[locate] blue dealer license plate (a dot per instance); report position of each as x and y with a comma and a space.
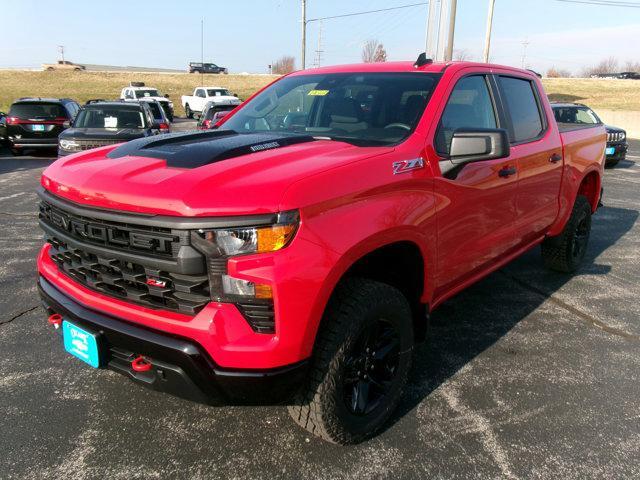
37, 128
81, 344
610, 150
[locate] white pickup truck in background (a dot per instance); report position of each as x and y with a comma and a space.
137, 90
194, 104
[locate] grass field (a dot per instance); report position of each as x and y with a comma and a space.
82, 86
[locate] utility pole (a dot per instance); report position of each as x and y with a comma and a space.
319, 51
452, 27
61, 50
525, 43
202, 50
442, 32
430, 38
304, 34
487, 38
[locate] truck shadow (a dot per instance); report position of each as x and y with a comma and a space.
35, 159
477, 318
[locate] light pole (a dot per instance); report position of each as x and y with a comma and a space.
487, 38
304, 34
452, 27
430, 39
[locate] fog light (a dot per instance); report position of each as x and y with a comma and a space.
245, 288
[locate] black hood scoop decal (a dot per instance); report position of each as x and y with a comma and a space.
193, 150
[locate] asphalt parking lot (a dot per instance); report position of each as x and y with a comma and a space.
528, 374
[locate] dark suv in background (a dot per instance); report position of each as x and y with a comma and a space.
581, 116
37, 122
105, 123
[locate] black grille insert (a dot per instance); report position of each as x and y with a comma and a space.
126, 280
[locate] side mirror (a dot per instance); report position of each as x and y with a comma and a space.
480, 144
474, 145
166, 95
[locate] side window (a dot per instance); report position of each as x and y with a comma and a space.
200, 93
523, 108
469, 106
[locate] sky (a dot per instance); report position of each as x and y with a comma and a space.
248, 35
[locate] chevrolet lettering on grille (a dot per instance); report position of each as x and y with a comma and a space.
95, 232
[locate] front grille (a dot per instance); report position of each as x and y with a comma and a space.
82, 145
132, 262
117, 236
615, 136
126, 280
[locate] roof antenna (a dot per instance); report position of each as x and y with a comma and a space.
422, 60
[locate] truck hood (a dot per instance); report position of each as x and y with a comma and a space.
211, 173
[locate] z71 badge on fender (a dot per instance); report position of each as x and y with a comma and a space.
407, 165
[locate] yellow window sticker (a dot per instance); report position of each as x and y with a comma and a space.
318, 93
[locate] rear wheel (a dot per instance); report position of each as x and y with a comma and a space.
188, 112
565, 252
16, 152
360, 365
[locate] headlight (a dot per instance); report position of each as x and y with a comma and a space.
171, 104
623, 135
239, 241
220, 244
68, 144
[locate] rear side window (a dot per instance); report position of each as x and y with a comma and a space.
29, 110
522, 104
469, 107
155, 109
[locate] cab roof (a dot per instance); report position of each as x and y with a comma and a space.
432, 67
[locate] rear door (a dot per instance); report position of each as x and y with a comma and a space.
536, 144
477, 204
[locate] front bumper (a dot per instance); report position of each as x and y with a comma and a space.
180, 366
33, 142
620, 150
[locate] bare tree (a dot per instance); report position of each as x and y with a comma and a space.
631, 66
369, 50
608, 65
381, 54
461, 55
554, 72
285, 64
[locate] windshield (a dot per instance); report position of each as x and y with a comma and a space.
362, 108
217, 92
37, 110
579, 115
109, 117
150, 92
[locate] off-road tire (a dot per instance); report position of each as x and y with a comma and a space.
187, 111
319, 406
565, 252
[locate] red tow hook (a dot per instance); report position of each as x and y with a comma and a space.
139, 364
55, 320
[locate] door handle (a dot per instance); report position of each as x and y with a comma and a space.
507, 172
555, 158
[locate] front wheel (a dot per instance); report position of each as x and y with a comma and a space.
188, 112
361, 363
565, 252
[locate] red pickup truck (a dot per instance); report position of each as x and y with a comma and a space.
294, 255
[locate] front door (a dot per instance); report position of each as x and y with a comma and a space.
476, 204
